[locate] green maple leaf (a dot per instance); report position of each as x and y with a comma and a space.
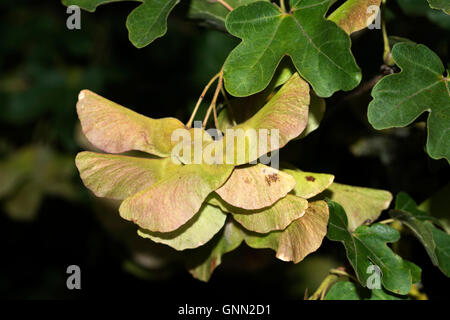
145, 23
435, 241
367, 245
319, 49
400, 98
443, 5
346, 290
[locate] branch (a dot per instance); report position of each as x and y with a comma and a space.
212, 106
202, 96
226, 5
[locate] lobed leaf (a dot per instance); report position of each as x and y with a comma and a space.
443, 5
319, 49
420, 87
115, 129
145, 23
255, 187
346, 290
435, 241
302, 237
149, 21
442, 240
195, 233
367, 245
171, 202
436, 206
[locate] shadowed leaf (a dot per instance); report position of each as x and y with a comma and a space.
443, 5
149, 21
195, 233
115, 129
171, 202
346, 290
145, 23
368, 245
435, 241
255, 187
442, 241
437, 206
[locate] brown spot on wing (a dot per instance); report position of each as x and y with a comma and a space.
213, 264
310, 178
271, 178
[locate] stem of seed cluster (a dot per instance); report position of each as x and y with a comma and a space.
212, 106
332, 277
283, 5
202, 96
226, 5
326, 283
342, 273
228, 104
387, 56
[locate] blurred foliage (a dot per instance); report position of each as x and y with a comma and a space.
29, 174
49, 221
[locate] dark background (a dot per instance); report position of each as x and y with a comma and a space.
43, 66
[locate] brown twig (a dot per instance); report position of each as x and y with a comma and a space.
229, 106
202, 96
226, 5
212, 106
